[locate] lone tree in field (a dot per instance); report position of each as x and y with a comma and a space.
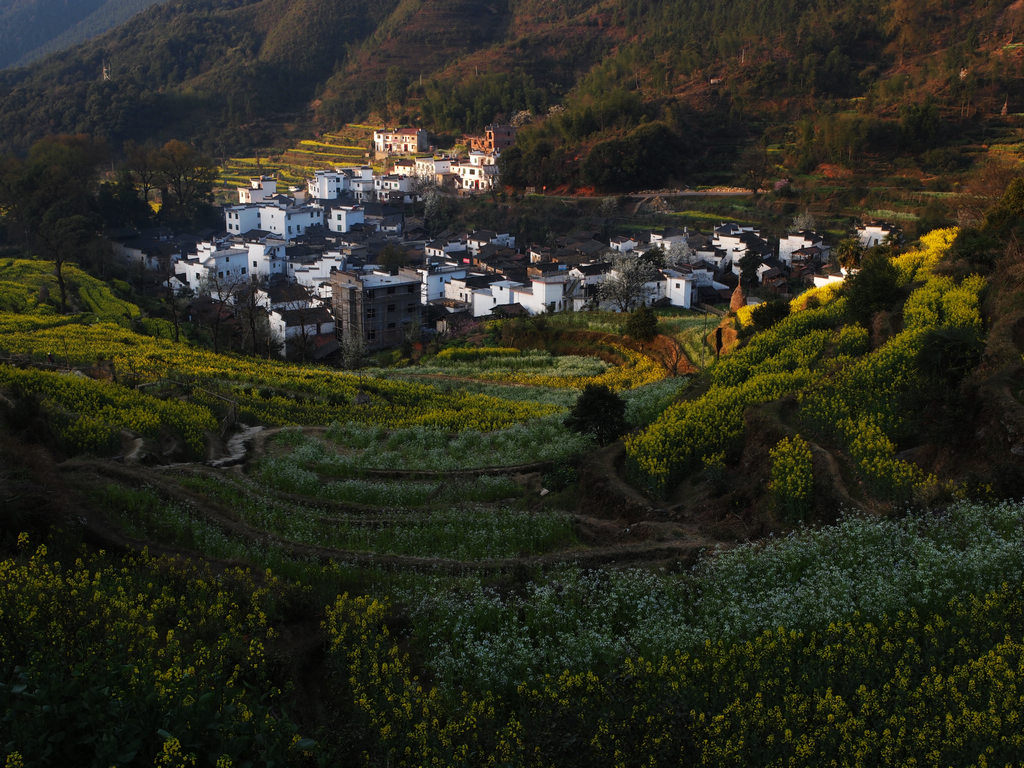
642, 324
599, 412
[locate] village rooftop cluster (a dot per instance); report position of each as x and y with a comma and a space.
340, 263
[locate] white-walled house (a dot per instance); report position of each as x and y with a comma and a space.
267, 259
387, 187
820, 280
214, 268
441, 249
342, 218
360, 182
327, 185
483, 237
278, 217
316, 275
351, 183
736, 242
462, 288
590, 276
434, 277
482, 293
310, 326
622, 243
498, 293
431, 167
544, 294
401, 141
679, 288
800, 241
290, 220
260, 188
477, 174
239, 219
670, 238
874, 233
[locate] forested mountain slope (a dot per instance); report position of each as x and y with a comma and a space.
233, 73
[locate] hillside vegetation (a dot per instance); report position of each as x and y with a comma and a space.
804, 84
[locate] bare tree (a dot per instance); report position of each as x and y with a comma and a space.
143, 163
189, 175
174, 299
219, 294
672, 356
754, 167
256, 336
306, 314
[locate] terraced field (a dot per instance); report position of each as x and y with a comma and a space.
351, 146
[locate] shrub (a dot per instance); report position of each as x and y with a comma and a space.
792, 477
642, 324
600, 412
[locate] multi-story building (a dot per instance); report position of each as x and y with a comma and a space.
478, 174
401, 141
380, 309
343, 217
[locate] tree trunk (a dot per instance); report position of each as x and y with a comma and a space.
58, 270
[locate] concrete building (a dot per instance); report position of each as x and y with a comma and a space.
802, 242
380, 309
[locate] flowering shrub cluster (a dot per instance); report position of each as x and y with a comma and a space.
870, 402
28, 286
89, 414
917, 263
689, 431
792, 476
136, 662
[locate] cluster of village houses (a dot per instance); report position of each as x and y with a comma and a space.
314, 259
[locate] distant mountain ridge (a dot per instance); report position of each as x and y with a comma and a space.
231, 74
32, 29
